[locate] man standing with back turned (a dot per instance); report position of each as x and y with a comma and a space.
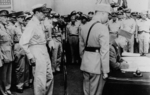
33, 41
94, 50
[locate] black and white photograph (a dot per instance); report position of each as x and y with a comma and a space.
74, 47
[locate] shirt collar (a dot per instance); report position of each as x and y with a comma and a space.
35, 19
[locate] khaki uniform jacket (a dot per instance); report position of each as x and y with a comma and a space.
95, 62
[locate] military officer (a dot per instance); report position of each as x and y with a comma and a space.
143, 33
57, 51
33, 41
6, 48
116, 62
114, 25
128, 24
94, 51
73, 39
90, 14
21, 60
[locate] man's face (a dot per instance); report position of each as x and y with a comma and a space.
105, 17
3, 19
41, 15
90, 16
73, 19
122, 41
143, 16
20, 19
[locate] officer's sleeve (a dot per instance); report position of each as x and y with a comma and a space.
25, 39
113, 59
104, 48
81, 43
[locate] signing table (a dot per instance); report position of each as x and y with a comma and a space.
125, 82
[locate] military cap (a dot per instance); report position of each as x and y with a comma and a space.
4, 13
103, 8
84, 16
133, 14
120, 8
73, 13
28, 17
39, 6
120, 13
127, 10
91, 12
28, 13
56, 15
114, 14
80, 13
20, 14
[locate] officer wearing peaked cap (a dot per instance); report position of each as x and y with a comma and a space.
114, 25
6, 48
33, 41
128, 24
143, 33
94, 51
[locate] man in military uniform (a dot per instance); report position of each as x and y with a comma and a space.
114, 25
143, 34
21, 60
116, 62
94, 51
90, 15
73, 39
128, 24
57, 51
6, 48
33, 41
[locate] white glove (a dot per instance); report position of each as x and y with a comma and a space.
51, 44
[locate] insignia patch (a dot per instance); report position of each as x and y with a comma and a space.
36, 37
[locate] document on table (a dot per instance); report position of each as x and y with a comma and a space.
140, 63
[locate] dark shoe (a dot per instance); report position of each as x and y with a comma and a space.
19, 90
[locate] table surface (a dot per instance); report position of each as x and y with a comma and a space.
127, 75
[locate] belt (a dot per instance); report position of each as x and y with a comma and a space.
139, 32
73, 35
112, 33
92, 49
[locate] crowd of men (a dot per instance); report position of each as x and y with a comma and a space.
32, 44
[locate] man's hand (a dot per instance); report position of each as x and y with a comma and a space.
32, 61
51, 44
124, 65
105, 76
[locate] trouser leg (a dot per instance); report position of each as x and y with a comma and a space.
93, 84
27, 72
2, 85
71, 43
49, 81
141, 45
43, 78
9, 76
146, 42
86, 83
20, 69
131, 44
96, 84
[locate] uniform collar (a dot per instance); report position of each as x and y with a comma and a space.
35, 19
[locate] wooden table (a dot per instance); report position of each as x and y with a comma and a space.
125, 83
